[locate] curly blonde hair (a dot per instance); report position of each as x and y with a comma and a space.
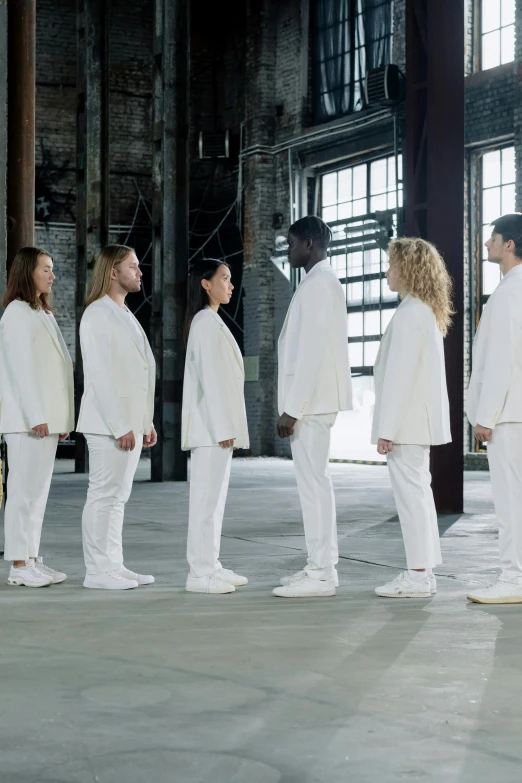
423, 273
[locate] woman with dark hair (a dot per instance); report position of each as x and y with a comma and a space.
213, 422
37, 409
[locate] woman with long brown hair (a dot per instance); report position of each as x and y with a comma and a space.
37, 409
411, 404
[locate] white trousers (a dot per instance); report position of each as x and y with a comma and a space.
505, 467
410, 476
31, 463
111, 473
209, 479
310, 446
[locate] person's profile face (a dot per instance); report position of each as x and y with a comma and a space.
495, 246
298, 251
128, 274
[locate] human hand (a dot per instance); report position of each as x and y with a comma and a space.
41, 430
127, 442
63, 436
483, 434
285, 425
227, 444
151, 439
384, 446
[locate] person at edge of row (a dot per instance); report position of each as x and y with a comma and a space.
411, 405
115, 414
494, 404
213, 422
37, 410
314, 384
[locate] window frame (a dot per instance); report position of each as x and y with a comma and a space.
479, 35
362, 307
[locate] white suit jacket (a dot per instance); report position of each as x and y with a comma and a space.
213, 386
119, 372
495, 389
36, 372
411, 397
314, 370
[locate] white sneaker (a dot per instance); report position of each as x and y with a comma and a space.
306, 587
403, 586
111, 581
500, 592
433, 583
56, 576
208, 584
226, 575
285, 580
141, 579
28, 576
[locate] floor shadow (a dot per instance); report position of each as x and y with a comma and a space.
495, 748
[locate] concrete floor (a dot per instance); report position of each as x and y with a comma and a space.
159, 685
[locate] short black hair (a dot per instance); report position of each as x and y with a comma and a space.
510, 227
312, 227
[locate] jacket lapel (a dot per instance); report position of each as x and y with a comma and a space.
123, 316
230, 337
47, 322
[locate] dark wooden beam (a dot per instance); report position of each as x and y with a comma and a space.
170, 229
435, 193
92, 148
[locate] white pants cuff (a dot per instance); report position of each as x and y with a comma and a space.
505, 466
310, 445
31, 463
209, 479
111, 473
410, 477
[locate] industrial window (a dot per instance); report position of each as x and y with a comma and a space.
350, 37
497, 197
497, 27
359, 204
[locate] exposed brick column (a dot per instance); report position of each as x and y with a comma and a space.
259, 206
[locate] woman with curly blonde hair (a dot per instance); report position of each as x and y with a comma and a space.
411, 404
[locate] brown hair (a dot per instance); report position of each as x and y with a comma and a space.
110, 256
423, 273
20, 281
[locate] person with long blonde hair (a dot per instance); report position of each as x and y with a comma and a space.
115, 415
411, 404
36, 409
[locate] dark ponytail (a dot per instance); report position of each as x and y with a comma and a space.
197, 297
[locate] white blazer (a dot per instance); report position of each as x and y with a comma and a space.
213, 386
314, 370
411, 397
36, 372
119, 372
495, 389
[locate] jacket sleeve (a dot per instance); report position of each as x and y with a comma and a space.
407, 338
211, 361
99, 370
504, 326
20, 358
316, 301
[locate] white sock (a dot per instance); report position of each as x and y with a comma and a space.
417, 576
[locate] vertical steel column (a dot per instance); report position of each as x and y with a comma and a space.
21, 125
3, 146
435, 192
170, 229
92, 170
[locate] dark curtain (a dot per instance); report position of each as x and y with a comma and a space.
333, 62
350, 38
374, 34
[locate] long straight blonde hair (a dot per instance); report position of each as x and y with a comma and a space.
110, 256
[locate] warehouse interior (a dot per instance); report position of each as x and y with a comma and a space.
187, 129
